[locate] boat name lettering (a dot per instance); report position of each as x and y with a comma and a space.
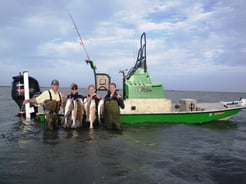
143, 90
218, 113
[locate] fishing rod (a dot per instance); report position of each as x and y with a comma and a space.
88, 60
77, 31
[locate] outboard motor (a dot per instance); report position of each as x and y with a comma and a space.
18, 90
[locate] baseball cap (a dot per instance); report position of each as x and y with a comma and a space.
55, 82
73, 85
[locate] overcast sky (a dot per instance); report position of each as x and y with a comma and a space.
191, 44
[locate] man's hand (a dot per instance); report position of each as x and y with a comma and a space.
63, 95
26, 101
32, 100
118, 96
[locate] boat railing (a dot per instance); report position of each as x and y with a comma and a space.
141, 58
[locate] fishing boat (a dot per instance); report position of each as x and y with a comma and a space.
145, 100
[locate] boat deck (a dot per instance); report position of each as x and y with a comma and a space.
209, 107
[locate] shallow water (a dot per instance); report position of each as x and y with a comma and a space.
145, 153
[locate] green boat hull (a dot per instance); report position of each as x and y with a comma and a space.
180, 117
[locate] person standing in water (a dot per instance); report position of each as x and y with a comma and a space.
52, 100
91, 106
74, 106
112, 104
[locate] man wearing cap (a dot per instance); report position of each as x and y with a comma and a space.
51, 100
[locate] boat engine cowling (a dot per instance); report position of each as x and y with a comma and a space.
243, 102
18, 89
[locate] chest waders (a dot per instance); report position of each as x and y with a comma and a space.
52, 107
111, 115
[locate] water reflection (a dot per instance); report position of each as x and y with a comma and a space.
144, 153
51, 137
70, 133
141, 153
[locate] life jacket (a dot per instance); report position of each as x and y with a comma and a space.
52, 105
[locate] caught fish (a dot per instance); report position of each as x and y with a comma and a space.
68, 110
74, 109
90, 109
92, 113
81, 111
100, 110
74, 114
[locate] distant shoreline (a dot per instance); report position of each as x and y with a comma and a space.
180, 90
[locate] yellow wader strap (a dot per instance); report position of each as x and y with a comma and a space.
51, 96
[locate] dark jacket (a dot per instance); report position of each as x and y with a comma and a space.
120, 101
75, 96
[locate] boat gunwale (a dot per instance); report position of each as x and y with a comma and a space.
186, 112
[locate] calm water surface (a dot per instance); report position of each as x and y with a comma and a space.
209, 153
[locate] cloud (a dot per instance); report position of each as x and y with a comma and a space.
185, 39
57, 48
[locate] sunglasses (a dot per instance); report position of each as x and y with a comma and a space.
74, 88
